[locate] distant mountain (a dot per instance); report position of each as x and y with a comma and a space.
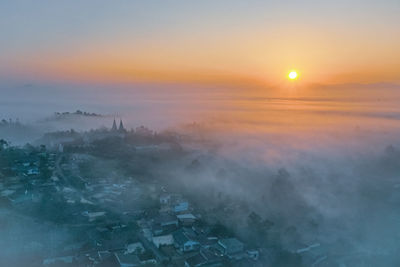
77, 113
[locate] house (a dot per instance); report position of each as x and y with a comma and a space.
33, 171
230, 246
59, 260
135, 248
195, 261
112, 244
108, 262
186, 219
112, 226
181, 206
207, 242
84, 260
201, 229
165, 199
204, 258
185, 241
157, 229
167, 220
253, 254
7, 192
94, 215
147, 258
170, 252
163, 240
147, 234
164, 224
103, 255
127, 260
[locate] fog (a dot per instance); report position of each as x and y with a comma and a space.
322, 163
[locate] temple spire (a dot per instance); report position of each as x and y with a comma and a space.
114, 126
121, 126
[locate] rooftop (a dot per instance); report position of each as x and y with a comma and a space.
230, 242
127, 259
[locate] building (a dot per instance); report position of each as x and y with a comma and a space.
136, 248
207, 242
103, 255
33, 171
121, 127
166, 220
184, 241
186, 219
204, 258
230, 246
59, 260
114, 126
165, 199
127, 260
94, 215
181, 206
163, 240
195, 261
157, 229
253, 254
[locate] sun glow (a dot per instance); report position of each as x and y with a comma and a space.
293, 75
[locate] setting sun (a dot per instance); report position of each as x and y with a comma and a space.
292, 75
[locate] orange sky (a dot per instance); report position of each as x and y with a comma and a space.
344, 43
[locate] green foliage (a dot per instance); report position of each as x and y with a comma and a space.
44, 166
3, 144
287, 259
259, 228
220, 230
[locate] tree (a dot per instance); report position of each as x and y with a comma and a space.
3, 144
220, 230
44, 166
259, 228
254, 220
287, 259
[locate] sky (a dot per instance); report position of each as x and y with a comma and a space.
238, 43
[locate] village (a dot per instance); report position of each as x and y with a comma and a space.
115, 219
111, 230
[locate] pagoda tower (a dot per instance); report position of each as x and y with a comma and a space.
114, 126
121, 126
